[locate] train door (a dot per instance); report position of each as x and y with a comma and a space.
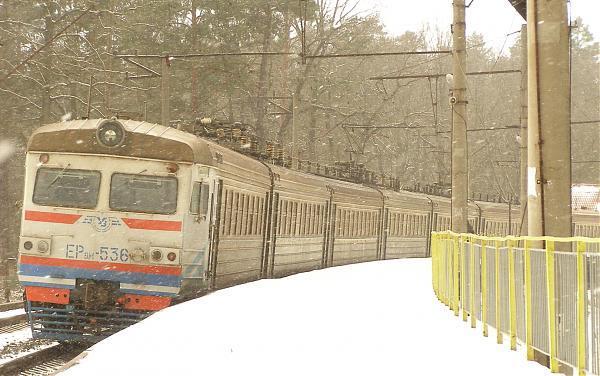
332, 229
325, 229
272, 234
196, 231
384, 233
214, 231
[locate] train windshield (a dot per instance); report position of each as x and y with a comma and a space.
66, 188
143, 193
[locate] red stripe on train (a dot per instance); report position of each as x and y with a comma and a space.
39, 216
47, 295
97, 265
151, 224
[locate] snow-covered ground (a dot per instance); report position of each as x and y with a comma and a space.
378, 318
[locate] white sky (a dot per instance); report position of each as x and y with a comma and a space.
492, 18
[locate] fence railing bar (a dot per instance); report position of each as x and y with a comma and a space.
581, 309
551, 304
512, 296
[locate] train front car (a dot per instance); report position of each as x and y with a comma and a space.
106, 204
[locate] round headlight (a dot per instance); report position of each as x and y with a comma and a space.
171, 256
43, 246
137, 255
156, 255
28, 245
44, 158
110, 133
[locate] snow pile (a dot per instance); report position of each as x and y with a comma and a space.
379, 318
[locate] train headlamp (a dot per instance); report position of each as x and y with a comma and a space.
28, 245
43, 246
137, 255
44, 158
172, 168
171, 256
110, 133
156, 255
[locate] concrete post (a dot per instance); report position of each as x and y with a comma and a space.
549, 134
460, 183
165, 91
523, 145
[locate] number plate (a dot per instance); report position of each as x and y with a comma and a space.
103, 253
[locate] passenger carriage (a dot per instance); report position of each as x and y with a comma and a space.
122, 218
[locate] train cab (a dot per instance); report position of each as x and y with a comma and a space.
115, 219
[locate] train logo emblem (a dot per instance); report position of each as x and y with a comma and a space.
101, 224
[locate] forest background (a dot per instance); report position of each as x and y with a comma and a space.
333, 94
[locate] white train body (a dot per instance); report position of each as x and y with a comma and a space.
122, 218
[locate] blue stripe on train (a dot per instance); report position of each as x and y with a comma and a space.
105, 275
146, 292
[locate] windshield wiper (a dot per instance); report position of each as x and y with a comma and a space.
58, 176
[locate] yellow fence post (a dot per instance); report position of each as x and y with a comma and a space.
581, 308
512, 296
448, 270
443, 267
551, 304
484, 288
472, 282
455, 275
497, 291
463, 281
433, 259
528, 308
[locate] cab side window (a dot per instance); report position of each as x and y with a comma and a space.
199, 200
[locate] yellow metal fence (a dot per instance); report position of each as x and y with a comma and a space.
541, 292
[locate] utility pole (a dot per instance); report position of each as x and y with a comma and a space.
458, 102
523, 145
165, 90
549, 132
549, 146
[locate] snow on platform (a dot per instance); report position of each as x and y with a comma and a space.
378, 318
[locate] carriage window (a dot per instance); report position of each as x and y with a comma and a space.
66, 188
143, 193
199, 201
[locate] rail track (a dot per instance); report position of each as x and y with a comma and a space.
42, 362
11, 306
12, 323
42, 357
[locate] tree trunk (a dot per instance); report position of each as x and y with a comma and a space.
263, 86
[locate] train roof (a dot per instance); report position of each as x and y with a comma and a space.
142, 140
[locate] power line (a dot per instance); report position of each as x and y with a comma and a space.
384, 126
487, 129
586, 122
211, 54
434, 75
378, 54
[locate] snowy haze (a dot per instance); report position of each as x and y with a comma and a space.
492, 18
378, 318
